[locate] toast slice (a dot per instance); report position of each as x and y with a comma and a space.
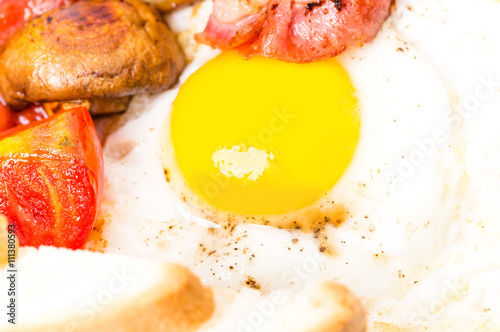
65, 290
324, 306
61, 290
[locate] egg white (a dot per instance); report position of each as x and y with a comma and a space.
420, 241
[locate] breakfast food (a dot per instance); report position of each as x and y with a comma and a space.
106, 293
15, 13
266, 163
355, 193
51, 179
134, 294
325, 306
91, 49
299, 31
168, 5
412, 226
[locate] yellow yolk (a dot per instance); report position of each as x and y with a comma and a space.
261, 136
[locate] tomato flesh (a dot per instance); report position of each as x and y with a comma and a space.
51, 179
29, 115
7, 117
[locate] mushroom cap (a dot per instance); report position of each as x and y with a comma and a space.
165, 6
90, 49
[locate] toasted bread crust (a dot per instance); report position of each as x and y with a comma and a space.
388, 327
347, 311
181, 303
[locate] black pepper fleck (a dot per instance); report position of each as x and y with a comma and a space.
338, 4
311, 5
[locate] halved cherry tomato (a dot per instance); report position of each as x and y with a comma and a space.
51, 179
13, 13
7, 117
33, 113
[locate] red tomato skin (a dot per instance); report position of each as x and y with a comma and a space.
7, 117
51, 179
33, 113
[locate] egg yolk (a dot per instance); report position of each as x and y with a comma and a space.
262, 136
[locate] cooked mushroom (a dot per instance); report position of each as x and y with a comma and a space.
95, 50
165, 6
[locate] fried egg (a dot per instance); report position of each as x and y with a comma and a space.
377, 169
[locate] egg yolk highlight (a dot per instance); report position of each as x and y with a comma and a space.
262, 136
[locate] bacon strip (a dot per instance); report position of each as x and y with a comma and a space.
297, 31
229, 35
